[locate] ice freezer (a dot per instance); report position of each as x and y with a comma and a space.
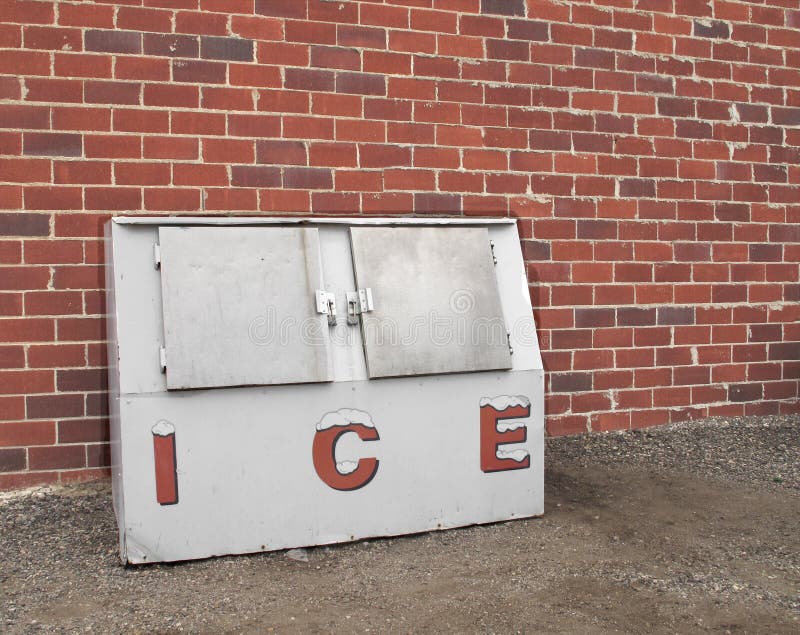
288, 382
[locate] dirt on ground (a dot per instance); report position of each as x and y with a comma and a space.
687, 528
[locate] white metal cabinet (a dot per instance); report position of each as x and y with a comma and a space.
277, 424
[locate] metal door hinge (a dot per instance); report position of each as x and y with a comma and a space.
508, 339
157, 255
358, 302
326, 305
162, 359
491, 246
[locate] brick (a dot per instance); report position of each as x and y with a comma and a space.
201, 23
253, 126
310, 79
84, 15
281, 9
25, 170
311, 33
13, 460
121, 199
745, 392
403, 41
142, 69
83, 431
281, 152
382, 156
112, 147
54, 302
437, 203
27, 433
226, 48
57, 457
25, 62
222, 98
592, 318
52, 198
100, 92
503, 7
630, 316
142, 173
230, 199
255, 27
335, 57
507, 50
98, 455
711, 29
135, 120
334, 203
199, 72
360, 36
784, 351
54, 406
765, 253
25, 381
144, 19
255, 176
308, 178
52, 90
52, 144
360, 84
389, 109
171, 45
570, 382
532, 30
197, 123
675, 315
101, 41
228, 151
172, 199
85, 379
786, 116
637, 188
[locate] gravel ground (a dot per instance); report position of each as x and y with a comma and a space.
689, 527
757, 451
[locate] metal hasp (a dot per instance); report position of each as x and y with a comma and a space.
358, 302
326, 305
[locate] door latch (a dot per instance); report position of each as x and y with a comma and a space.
358, 302
326, 305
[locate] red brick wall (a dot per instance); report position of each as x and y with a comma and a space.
650, 149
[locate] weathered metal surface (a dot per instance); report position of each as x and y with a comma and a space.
251, 471
436, 304
217, 281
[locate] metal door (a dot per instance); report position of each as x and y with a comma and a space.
239, 306
436, 306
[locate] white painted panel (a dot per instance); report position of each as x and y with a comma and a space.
239, 306
246, 479
515, 297
437, 307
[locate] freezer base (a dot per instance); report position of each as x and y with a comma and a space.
243, 470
